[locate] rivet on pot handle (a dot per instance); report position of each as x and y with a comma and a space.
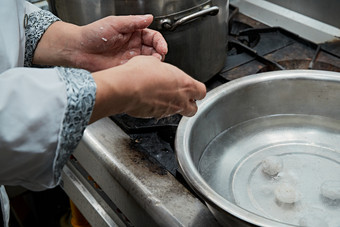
168, 25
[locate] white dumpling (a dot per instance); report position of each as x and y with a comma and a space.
272, 165
331, 190
286, 193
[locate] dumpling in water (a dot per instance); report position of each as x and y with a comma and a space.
286, 193
331, 190
272, 165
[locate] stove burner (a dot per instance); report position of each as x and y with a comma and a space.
152, 137
332, 47
236, 31
301, 64
132, 125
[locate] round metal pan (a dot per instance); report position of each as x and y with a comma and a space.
287, 120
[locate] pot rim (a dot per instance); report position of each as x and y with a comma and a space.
182, 138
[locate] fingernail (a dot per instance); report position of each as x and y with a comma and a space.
147, 15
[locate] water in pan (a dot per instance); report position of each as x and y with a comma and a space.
283, 167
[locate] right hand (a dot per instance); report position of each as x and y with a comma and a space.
146, 87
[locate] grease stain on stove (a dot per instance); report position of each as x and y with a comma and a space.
139, 157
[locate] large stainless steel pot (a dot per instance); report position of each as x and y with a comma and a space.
196, 30
296, 111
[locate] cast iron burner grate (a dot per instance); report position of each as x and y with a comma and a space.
302, 64
277, 49
236, 31
155, 138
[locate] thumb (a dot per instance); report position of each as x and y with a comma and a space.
127, 24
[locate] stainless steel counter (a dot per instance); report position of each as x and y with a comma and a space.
326, 11
277, 15
124, 183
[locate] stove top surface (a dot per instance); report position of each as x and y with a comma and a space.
132, 164
252, 48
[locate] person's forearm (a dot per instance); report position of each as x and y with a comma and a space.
58, 45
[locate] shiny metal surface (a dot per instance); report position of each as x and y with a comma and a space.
267, 105
267, 12
85, 11
196, 31
306, 147
325, 11
167, 25
142, 192
91, 205
199, 48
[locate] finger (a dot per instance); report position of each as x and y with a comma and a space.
128, 24
196, 90
146, 50
155, 39
201, 91
182, 106
158, 56
190, 110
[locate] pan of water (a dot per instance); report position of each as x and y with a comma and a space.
264, 150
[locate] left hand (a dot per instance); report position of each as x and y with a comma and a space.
100, 45
114, 40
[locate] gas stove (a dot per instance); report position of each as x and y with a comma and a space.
124, 172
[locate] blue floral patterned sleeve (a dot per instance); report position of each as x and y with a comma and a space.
81, 92
37, 24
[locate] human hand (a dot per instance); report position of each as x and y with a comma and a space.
114, 40
146, 87
102, 44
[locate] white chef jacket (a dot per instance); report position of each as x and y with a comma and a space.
43, 111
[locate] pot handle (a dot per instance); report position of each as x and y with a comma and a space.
168, 25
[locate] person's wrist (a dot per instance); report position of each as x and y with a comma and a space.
70, 35
58, 46
114, 92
